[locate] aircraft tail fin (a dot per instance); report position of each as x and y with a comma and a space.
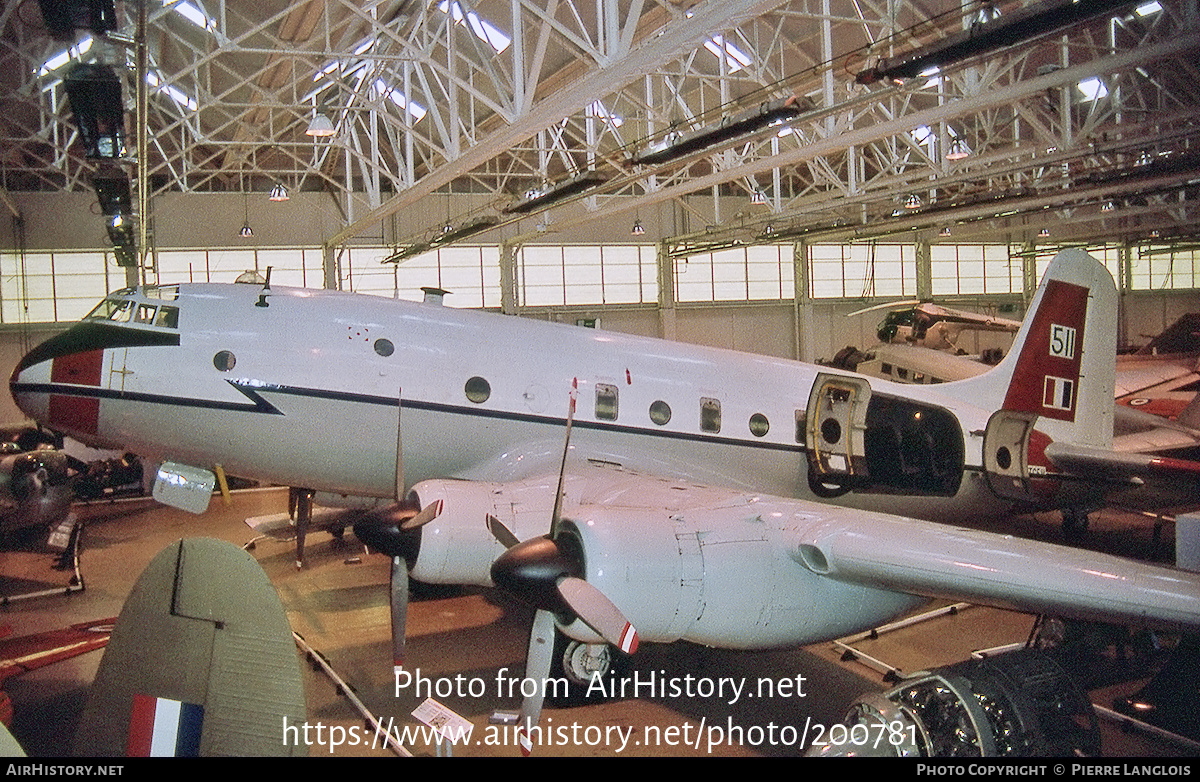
1062, 365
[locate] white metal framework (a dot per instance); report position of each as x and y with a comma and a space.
1089, 130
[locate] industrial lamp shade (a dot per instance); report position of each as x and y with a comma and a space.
278, 193
320, 126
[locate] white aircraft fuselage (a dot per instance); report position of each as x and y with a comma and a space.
689, 469
305, 391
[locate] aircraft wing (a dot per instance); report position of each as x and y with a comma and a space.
739, 569
1001, 571
30, 652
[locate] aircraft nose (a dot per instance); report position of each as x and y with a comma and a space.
57, 382
27, 378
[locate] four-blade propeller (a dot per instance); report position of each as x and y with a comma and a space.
547, 572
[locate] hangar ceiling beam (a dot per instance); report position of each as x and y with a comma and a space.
678, 37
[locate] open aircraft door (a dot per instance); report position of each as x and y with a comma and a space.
1006, 454
835, 432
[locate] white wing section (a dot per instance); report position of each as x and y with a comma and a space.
1000, 570
736, 569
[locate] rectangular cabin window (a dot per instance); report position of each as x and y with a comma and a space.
145, 314
710, 415
606, 402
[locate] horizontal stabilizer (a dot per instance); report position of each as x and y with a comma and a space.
1111, 465
1190, 415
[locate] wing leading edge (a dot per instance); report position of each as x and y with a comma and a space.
960, 564
676, 559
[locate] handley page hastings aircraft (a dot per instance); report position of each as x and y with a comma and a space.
683, 503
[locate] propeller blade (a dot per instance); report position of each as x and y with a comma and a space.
556, 517
399, 604
537, 669
891, 305
599, 613
500, 532
398, 487
423, 517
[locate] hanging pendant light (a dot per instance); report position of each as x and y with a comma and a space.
320, 126
246, 231
278, 193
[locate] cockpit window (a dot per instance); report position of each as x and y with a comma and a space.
121, 311
112, 310
168, 317
125, 311
163, 292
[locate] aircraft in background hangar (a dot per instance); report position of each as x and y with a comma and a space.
691, 473
1157, 405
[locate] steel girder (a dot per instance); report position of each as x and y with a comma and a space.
506, 96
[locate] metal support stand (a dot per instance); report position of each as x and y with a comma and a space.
890, 672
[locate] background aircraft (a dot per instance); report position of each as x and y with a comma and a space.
1156, 392
37, 489
30, 652
929, 325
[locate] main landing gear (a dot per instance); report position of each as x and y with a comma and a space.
591, 672
1074, 522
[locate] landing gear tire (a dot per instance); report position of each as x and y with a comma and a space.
1074, 522
580, 664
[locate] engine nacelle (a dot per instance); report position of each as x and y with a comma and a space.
721, 577
457, 547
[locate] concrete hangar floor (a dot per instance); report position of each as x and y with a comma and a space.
464, 638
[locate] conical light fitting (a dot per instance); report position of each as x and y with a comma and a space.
320, 126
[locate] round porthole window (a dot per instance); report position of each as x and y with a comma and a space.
759, 424
477, 390
660, 412
831, 431
224, 361
384, 347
